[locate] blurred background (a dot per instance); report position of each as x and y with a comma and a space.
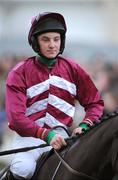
92, 41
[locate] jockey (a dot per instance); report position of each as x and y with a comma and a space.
41, 93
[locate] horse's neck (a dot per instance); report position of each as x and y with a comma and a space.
91, 147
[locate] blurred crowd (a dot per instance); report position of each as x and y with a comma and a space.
105, 76
103, 72
6, 63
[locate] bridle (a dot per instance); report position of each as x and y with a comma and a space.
70, 169
62, 161
65, 164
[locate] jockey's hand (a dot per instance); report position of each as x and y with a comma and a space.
57, 142
82, 127
76, 131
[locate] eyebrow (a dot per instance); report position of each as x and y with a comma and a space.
44, 36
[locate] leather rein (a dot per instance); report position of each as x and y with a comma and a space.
68, 167
73, 171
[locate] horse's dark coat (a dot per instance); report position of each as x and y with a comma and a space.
95, 153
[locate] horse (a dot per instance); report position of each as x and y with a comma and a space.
92, 155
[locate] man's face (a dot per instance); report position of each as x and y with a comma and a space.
49, 44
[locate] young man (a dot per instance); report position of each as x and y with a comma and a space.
40, 94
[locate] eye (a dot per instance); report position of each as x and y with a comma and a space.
57, 39
45, 39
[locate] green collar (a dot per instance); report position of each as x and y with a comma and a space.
46, 61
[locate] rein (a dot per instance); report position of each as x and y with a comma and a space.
62, 161
18, 150
2, 153
60, 158
12, 151
69, 140
73, 171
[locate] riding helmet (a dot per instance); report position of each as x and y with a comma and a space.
47, 22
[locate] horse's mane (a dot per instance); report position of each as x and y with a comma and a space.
102, 120
105, 118
83, 147
109, 115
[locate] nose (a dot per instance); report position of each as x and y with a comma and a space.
51, 44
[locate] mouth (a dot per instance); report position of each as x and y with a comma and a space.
52, 52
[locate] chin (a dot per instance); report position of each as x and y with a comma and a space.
51, 57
